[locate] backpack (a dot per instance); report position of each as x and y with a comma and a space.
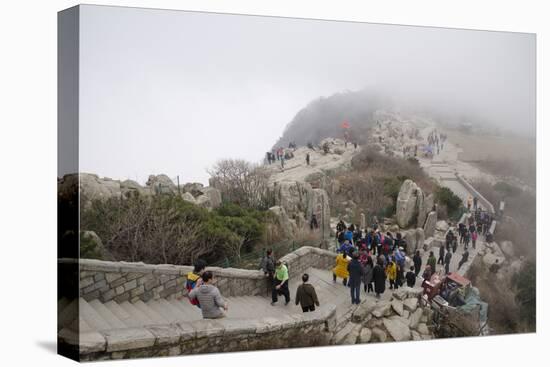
191, 283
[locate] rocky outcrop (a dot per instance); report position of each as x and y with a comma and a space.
398, 319
300, 201
283, 222
507, 248
214, 196
429, 226
161, 184
92, 188
410, 201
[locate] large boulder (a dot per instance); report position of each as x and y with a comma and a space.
415, 317
398, 330
284, 224
379, 335
214, 196
408, 200
363, 310
92, 188
365, 335
188, 197
507, 248
130, 187
321, 208
410, 304
429, 226
194, 188
161, 184
299, 198
442, 226
397, 306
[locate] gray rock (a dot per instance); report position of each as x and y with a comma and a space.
490, 259
410, 304
379, 335
407, 203
188, 197
507, 248
383, 309
363, 310
365, 335
442, 226
415, 335
397, 306
415, 318
429, 226
400, 294
214, 195
203, 201
423, 329
398, 330
161, 184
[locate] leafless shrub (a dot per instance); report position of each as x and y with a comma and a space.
242, 183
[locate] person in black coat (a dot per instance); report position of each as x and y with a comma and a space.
417, 260
355, 270
411, 277
379, 277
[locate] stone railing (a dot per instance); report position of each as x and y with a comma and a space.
211, 336
484, 202
124, 281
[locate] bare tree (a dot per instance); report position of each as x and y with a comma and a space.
243, 183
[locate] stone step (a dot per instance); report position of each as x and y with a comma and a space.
151, 313
163, 310
122, 314
140, 317
92, 318
107, 315
179, 316
68, 314
190, 311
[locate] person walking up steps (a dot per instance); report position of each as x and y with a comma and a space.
341, 268
355, 271
280, 283
306, 295
307, 159
209, 298
464, 259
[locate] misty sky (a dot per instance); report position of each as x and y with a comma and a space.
172, 92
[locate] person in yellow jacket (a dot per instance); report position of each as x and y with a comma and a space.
391, 273
341, 268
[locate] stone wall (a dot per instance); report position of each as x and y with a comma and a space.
207, 336
124, 281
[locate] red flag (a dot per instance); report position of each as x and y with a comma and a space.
345, 125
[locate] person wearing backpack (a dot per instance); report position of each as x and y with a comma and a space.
194, 279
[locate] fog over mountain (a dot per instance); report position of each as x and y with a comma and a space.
173, 91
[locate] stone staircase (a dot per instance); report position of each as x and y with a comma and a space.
96, 316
